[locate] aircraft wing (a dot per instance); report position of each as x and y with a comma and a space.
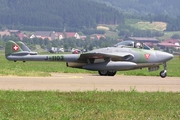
119, 56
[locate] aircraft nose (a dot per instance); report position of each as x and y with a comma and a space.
163, 56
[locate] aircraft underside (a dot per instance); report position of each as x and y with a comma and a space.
110, 68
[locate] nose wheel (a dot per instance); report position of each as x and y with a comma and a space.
163, 73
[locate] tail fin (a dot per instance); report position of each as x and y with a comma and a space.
18, 48
12, 47
23, 46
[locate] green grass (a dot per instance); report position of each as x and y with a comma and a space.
159, 26
167, 35
143, 25
45, 68
146, 25
35, 68
111, 34
173, 70
89, 105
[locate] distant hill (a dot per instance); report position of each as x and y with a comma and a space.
159, 26
56, 15
79, 15
145, 7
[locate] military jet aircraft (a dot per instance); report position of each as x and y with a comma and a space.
126, 55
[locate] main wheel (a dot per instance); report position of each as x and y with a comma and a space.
103, 73
111, 73
163, 74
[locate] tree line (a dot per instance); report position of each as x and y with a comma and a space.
67, 43
149, 10
58, 15
84, 15
128, 31
144, 7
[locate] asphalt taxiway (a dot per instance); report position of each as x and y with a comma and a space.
86, 82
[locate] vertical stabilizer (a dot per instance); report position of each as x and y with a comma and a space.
12, 47
23, 46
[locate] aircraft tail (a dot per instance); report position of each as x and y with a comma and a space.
12, 47
18, 48
25, 48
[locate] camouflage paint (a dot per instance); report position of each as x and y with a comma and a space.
142, 55
115, 58
12, 47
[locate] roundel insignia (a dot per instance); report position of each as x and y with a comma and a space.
15, 47
147, 56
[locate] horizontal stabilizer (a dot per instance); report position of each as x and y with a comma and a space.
22, 53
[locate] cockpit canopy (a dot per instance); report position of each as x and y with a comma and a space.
132, 44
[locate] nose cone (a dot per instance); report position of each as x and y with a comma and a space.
163, 56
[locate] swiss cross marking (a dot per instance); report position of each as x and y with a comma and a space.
15, 47
147, 56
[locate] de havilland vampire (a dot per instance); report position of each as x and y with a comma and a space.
126, 55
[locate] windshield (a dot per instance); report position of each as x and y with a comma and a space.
125, 44
133, 44
145, 47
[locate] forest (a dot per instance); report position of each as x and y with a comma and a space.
151, 10
144, 7
72, 15
83, 15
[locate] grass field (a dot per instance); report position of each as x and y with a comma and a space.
167, 35
45, 68
89, 105
159, 26
146, 25
142, 25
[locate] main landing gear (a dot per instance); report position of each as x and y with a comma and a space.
163, 73
107, 73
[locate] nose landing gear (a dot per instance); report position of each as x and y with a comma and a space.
163, 73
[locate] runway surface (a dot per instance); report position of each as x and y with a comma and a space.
86, 82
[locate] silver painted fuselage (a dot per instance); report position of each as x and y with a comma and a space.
136, 58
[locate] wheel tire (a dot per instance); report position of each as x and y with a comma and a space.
103, 73
111, 73
162, 74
